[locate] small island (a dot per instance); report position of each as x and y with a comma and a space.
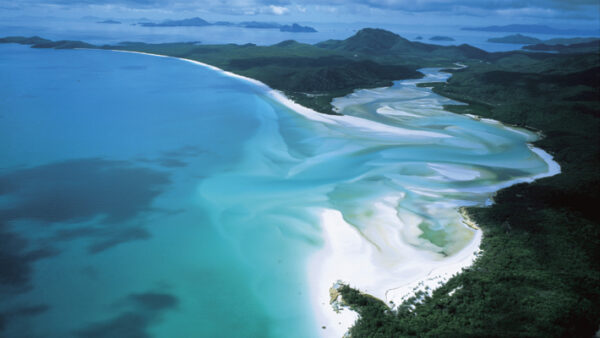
533, 29
528, 40
259, 25
296, 28
585, 47
191, 22
517, 39
199, 22
441, 38
110, 22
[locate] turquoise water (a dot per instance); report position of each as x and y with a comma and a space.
146, 196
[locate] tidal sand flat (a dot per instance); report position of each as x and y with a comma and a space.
150, 196
401, 231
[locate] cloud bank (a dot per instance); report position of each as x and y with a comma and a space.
315, 9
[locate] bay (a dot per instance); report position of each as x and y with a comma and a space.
151, 196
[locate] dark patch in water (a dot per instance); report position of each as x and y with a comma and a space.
103, 238
171, 163
70, 234
78, 190
71, 191
16, 261
119, 237
140, 311
129, 324
153, 301
175, 158
23, 311
28, 311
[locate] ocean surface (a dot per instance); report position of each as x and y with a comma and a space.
148, 196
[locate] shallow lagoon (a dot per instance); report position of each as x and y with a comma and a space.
144, 195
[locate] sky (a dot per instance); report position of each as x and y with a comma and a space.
565, 13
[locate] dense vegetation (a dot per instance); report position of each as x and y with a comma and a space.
583, 47
528, 40
539, 275
540, 271
313, 75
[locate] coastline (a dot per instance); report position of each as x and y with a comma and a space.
281, 98
340, 238
347, 258
345, 247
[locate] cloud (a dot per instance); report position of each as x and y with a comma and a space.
278, 10
336, 10
279, 7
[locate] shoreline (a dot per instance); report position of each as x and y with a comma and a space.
280, 97
346, 258
341, 240
323, 262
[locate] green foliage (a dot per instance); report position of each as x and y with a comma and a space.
63, 44
310, 75
386, 47
582, 47
24, 40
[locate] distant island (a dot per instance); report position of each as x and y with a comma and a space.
575, 48
441, 38
195, 22
516, 39
256, 24
528, 40
534, 29
199, 22
113, 22
419, 38
296, 28
559, 45
568, 41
